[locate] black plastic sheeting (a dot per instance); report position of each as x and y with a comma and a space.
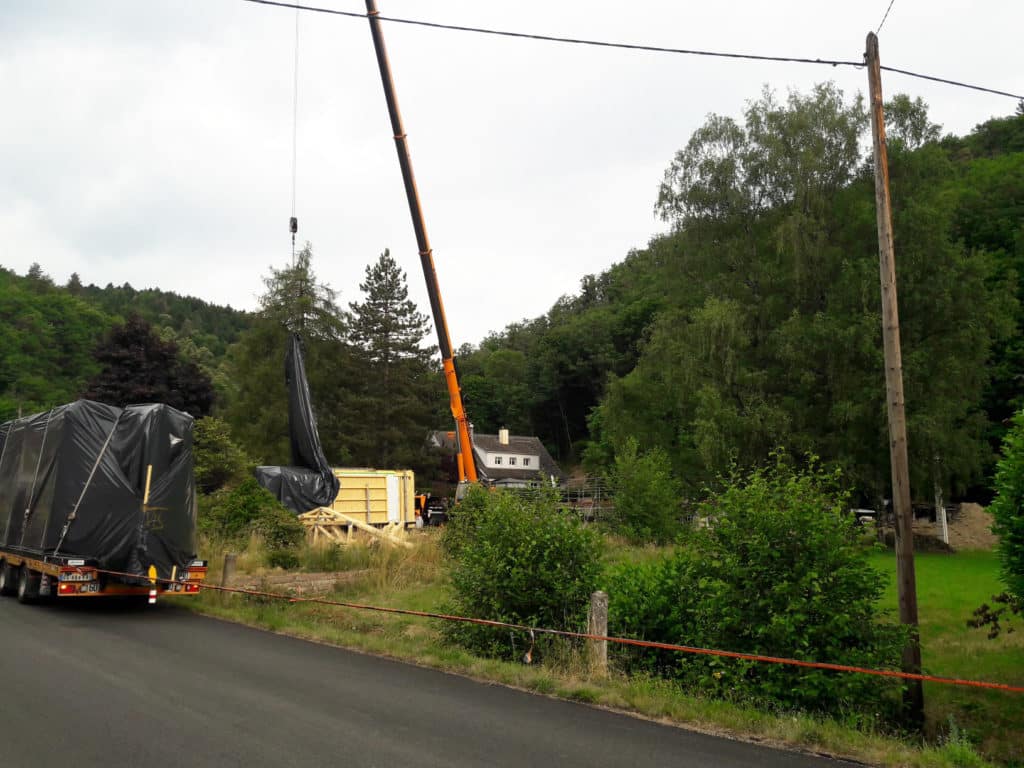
73, 483
310, 482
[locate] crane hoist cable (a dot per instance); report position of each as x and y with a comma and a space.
293, 222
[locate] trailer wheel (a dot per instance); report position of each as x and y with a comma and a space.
28, 586
8, 579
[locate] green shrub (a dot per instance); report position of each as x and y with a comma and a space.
647, 496
232, 515
652, 601
464, 522
518, 559
219, 461
283, 558
780, 571
1008, 507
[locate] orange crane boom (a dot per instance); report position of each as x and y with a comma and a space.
467, 466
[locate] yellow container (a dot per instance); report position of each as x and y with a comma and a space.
377, 496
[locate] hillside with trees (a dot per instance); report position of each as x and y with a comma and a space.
47, 337
56, 340
754, 324
376, 385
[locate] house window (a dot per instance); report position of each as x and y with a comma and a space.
526, 461
511, 461
497, 460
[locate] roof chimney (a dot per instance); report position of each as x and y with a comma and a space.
503, 435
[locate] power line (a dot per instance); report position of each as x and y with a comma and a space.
957, 83
554, 39
627, 46
886, 16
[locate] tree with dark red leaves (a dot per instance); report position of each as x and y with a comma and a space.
139, 367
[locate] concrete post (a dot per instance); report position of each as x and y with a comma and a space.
597, 624
229, 569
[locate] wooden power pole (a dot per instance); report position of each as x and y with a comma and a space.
905, 578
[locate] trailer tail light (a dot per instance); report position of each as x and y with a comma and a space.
196, 572
78, 588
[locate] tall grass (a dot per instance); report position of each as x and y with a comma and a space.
250, 555
963, 723
949, 588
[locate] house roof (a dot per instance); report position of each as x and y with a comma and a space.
518, 444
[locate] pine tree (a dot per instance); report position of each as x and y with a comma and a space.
38, 281
74, 285
295, 301
387, 326
401, 384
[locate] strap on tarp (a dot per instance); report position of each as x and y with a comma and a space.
88, 482
35, 479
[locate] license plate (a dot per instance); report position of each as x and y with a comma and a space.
90, 587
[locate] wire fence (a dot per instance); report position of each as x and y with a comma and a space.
622, 641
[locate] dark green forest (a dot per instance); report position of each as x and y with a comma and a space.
377, 389
52, 335
754, 324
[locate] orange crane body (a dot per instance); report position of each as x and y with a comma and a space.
466, 463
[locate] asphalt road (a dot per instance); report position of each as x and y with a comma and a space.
88, 686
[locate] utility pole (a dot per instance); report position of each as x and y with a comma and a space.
905, 579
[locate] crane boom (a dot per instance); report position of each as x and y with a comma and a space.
467, 466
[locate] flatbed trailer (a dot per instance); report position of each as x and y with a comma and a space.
32, 577
97, 500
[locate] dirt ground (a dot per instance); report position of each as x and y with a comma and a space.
970, 527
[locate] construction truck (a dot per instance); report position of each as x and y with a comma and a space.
97, 500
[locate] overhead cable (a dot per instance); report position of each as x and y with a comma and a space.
627, 46
295, 110
886, 16
293, 222
957, 83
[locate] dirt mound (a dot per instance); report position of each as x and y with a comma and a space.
970, 527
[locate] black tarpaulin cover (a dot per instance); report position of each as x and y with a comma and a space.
73, 482
310, 482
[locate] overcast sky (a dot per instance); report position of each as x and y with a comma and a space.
150, 141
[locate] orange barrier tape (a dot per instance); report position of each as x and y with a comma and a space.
618, 640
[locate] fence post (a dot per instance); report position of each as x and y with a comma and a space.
597, 624
229, 569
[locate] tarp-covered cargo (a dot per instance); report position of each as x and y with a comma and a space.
74, 481
310, 482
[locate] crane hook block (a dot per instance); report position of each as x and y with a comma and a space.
293, 225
